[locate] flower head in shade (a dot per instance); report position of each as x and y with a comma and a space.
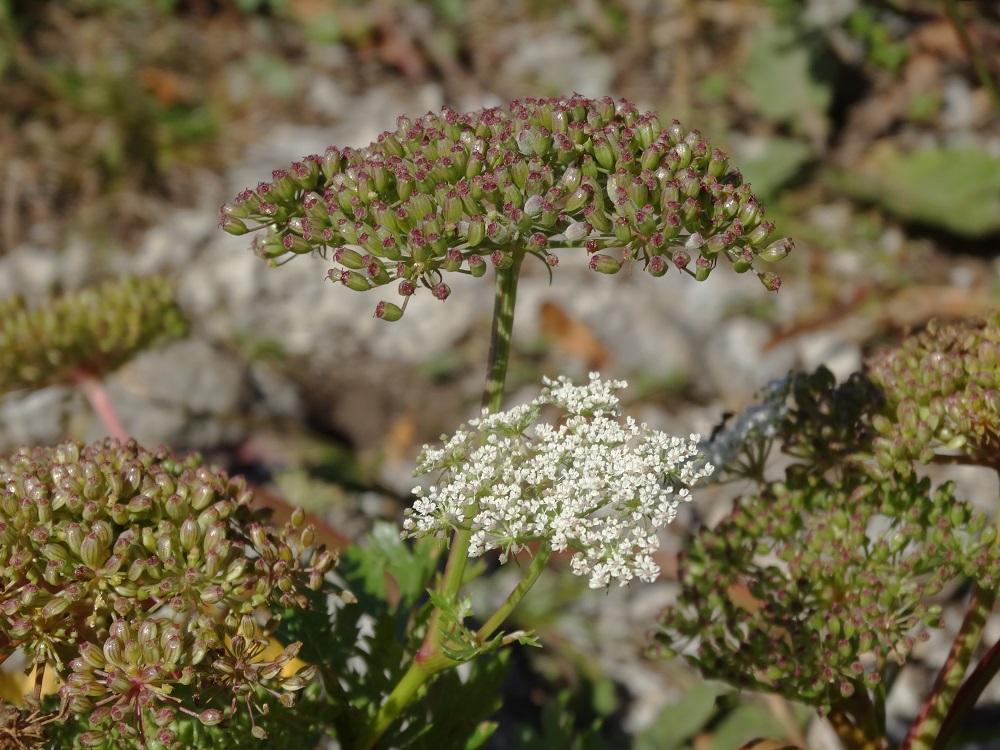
589, 482
942, 396
449, 192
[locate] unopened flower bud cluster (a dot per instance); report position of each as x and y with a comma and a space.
453, 192
590, 482
942, 393
92, 331
151, 569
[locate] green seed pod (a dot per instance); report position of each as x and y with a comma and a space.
605, 264
388, 311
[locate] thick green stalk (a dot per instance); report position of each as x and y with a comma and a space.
924, 733
429, 658
855, 720
949, 700
513, 599
503, 328
968, 694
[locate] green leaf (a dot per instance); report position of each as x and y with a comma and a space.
957, 189
680, 721
781, 161
457, 708
746, 722
789, 74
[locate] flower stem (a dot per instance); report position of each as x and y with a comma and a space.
855, 722
429, 658
925, 731
503, 327
96, 394
515, 596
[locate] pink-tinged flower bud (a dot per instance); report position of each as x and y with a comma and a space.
702, 269
92, 655
670, 194
597, 218
376, 272
190, 533
441, 291
353, 280
235, 210
283, 185
777, 250
92, 551
418, 206
658, 266
743, 262
55, 552
268, 248
213, 594
93, 738
233, 226
771, 281
537, 241
211, 716
578, 199
476, 231
718, 163
452, 207
406, 287
603, 152
301, 226
331, 162
648, 129
638, 192
501, 260
296, 245
760, 234
519, 173
74, 537
21, 627
305, 173
570, 180
477, 266
623, 229
453, 260
750, 213
388, 311
683, 155
605, 264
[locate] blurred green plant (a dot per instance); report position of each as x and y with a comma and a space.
82, 336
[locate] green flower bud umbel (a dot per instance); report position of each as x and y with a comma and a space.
442, 192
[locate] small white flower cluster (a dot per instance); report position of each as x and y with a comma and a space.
757, 423
588, 482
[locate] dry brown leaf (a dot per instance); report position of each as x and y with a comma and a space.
572, 336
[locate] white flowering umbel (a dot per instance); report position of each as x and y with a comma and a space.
587, 482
